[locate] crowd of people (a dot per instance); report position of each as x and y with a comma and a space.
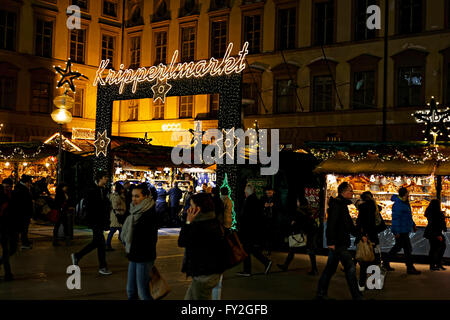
136, 212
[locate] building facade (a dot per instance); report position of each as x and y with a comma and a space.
315, 71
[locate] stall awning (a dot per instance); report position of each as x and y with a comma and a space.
376, 166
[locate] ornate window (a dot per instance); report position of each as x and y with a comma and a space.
186, 106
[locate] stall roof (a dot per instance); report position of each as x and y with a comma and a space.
376, 166
143, 155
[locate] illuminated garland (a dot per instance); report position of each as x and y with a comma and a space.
20, 152
399, 155
162, 73
233, 213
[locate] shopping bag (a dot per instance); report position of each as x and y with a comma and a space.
234, 251
297, 240
364, 251
159, 288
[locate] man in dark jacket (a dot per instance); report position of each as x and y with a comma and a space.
8, 227
339, 228
251, 231
175, 195
22, 201
161, 205
98, 213
402, 225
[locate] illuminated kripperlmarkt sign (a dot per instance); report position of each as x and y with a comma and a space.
162, 73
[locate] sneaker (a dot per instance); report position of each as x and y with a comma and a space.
105, 271
413, 271
244, 274
269, 265
282, 267
74, 259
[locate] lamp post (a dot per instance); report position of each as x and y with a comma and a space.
61, 116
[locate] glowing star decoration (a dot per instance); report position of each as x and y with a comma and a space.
436, 121
67, 75
160, 89
197, 134
213, 67
101, 144
228, 142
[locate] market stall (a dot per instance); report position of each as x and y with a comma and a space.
383, 174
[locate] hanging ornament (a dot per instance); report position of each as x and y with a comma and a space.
67, 75
435, 120
101, 144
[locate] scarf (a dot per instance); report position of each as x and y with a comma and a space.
136, 212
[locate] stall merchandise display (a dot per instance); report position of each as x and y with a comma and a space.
421, 189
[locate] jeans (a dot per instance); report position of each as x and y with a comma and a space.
257, 252
112, 230
437, 249
402, 242
98, 242
9, 245
138, 284
201, 287
291, 254
334, 257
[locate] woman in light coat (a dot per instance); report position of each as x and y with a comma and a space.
118, 211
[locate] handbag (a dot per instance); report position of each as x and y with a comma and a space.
380, 225
159, 288
364, 251
297, 240
234, 251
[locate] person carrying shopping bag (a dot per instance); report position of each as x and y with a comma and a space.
202, 238
140, 235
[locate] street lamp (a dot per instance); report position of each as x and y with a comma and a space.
61, 116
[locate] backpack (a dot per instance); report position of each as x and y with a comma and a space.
81, 212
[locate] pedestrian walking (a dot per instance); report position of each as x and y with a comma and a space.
161, 205
140, 235
251, 231
368, 210
175, 195
271, 212
22, 201
402, 225
63, 205
339, 227
118, 211
186, 203
98, 213
203, 241
8, 227
227, 208
434, 233
304, 221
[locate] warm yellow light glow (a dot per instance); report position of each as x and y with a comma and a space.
25, 164
47, 164
61, 116
64, 102
7, 164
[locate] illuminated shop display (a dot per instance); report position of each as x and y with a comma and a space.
422, 189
